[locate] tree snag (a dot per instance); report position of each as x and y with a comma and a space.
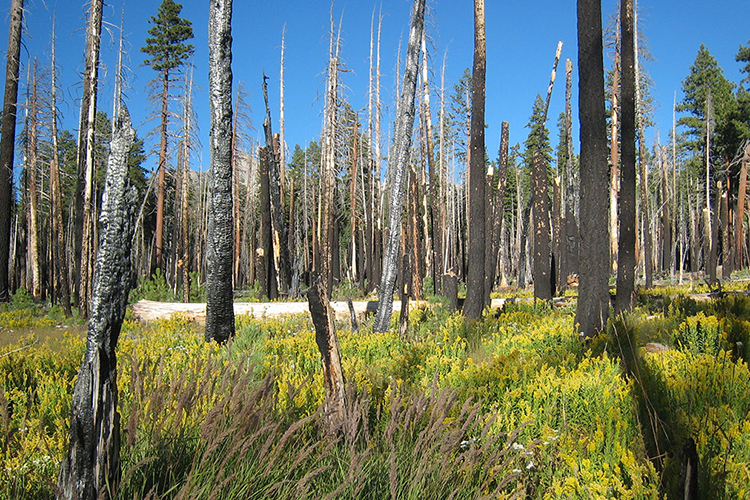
401, 150
91, 469
219, 297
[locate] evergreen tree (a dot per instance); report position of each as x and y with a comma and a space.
705, 75
538, 136
167, 51
743, 55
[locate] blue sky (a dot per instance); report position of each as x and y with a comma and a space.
521, 41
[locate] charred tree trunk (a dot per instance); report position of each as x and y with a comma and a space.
265, 251
278, 221
91, 469
219, 302
499, 183
626, 262
59, 248
593, 292
7, 142
476, 252
402, 147
739, 213
334, 404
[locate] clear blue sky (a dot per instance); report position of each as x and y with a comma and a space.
521, 40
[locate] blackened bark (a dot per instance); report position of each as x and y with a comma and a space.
476, 244
542, 264
593, 292
499, 183
626, 261
265, 250
7, 142
401, 150
91, 469
334, 404
219, 305
278, 221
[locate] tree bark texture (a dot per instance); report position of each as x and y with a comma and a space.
33, 274
401, 151
7, 142
334, 404
476, 252
626, 262
593, 292
219, 300
739, 213
265, 250
91, 469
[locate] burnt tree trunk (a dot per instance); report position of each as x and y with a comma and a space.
541, 264
593, 291
476, 245
278, 221
626, 261
7, 142
401, 150
334, 404
91, 469
220, 242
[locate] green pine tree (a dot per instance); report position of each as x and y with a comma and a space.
538, 136
167, 51
705, 74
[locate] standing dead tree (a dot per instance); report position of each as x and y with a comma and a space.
626, 260
7, 142
219, 251
544, 284
593, 293
476, 227
91, 469
401, 151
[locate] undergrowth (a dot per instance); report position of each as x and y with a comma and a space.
516, 407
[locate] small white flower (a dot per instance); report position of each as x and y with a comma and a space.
518, 446
530, 465
517, 471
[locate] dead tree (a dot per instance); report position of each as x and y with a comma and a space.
626, 261
33, 273
476, 245
91, 468
7, 142
401, 151
278, 221
219, 299
85, 157
593, 292
544, 284
59, 252
334, 404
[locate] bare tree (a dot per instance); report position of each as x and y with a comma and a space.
219, 302
593, 292
7, 141
33, 274
626, 261
85, 157
91, 468
476, 251
400, 156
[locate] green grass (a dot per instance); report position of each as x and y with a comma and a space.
517, 405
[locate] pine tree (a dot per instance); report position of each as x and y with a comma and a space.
167, 51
